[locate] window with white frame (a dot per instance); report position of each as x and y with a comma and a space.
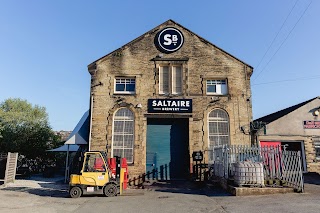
170, 79
123, 134
218, 129
217, 87
125, 85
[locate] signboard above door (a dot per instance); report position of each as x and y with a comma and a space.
170, 105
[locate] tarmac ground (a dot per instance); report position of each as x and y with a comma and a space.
38, 194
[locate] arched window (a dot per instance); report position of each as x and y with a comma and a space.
218, 129
123, 134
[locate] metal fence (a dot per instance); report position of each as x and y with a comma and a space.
278, 164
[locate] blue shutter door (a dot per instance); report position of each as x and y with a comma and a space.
158, 146
168, 146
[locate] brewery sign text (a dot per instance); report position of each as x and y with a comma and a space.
170, 105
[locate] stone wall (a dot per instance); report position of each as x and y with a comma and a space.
140, 59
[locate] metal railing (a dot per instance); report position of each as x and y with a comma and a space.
278, 164
155, 175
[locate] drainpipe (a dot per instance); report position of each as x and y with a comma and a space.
90, 130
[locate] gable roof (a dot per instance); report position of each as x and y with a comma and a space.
170, 21
274, 116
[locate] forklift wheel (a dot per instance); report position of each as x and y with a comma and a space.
75, 192
110, 190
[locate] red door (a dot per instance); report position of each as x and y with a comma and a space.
270, 143
271, 153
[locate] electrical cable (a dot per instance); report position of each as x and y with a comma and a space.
286, 80
277, 34
283, 41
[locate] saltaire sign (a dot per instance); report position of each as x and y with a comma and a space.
170, 105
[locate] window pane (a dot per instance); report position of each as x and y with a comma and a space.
128, 141
117, 126
176, 80
127, 153
214, 141
218, 114
128, 127
224, 89
223, 128
164, 79
213, 128
120, 87
117, 140
211, 88
124, 114
130, 87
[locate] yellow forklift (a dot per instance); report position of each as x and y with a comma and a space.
95, 176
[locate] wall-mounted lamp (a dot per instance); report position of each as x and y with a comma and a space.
138, 106
316, 112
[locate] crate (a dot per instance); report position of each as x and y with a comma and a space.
248, 173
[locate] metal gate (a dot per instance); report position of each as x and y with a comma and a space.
292, 170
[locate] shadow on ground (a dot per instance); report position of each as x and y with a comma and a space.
312, 178
188, 187
44, 192
38, 185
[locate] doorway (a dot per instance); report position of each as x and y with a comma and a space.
297, 146
168, 147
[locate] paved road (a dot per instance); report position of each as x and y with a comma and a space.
182, 197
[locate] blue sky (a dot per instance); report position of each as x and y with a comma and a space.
45, 46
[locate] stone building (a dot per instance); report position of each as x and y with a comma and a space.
297, 128
166, 94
